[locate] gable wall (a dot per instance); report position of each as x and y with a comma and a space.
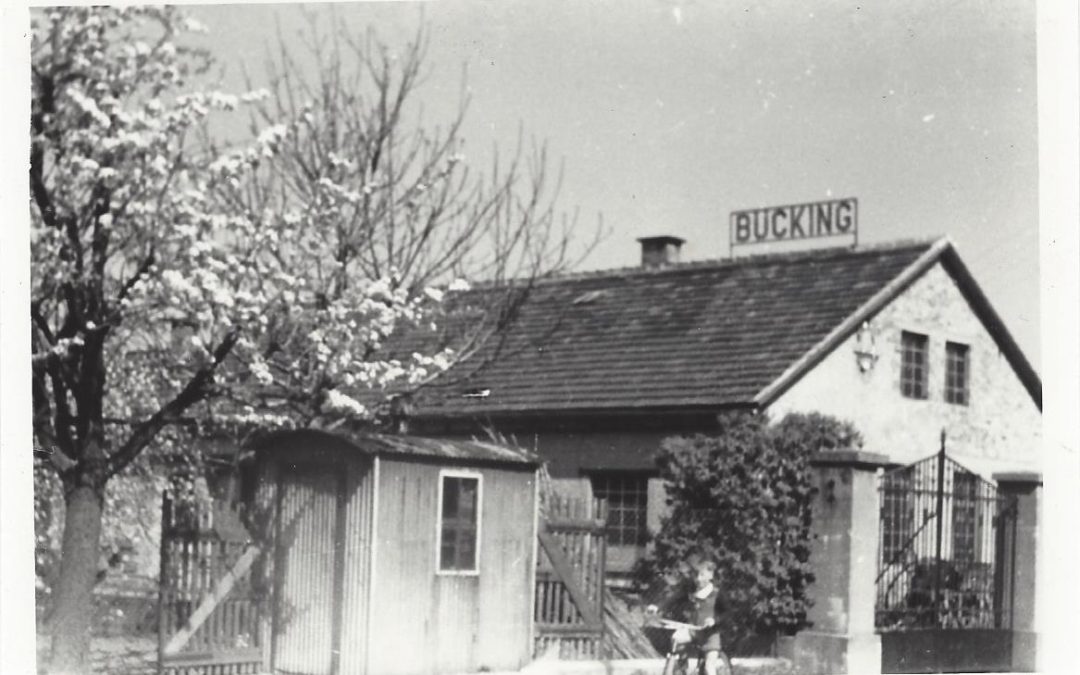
1000, 428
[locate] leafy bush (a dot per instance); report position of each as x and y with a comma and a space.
743, 497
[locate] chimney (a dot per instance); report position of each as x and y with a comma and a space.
660, 251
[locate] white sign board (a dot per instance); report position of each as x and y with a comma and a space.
796, 222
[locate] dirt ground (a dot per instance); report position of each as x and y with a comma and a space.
113, 655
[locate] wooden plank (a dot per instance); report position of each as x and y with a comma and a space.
213, 658
217, 595
566, 630
576, 525
564, 569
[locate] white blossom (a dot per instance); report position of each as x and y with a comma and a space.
255, 96
434, 293
90, 107
342, 403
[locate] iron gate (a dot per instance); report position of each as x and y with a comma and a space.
945, 569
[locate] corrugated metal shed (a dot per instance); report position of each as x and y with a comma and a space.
353, 525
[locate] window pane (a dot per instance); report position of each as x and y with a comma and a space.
450, 498
467, 488
458, 528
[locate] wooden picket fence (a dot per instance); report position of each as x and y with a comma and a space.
208, 616
569, 602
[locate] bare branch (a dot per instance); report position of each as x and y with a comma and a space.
196, 390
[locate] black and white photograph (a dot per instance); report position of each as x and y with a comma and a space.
600, 337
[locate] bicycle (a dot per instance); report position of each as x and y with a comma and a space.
677, 660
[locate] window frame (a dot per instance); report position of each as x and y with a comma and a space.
924, 381
479, 478
642, 535
950, 386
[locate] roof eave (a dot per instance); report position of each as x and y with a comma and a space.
382, 445
605, 411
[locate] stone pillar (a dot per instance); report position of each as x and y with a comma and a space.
844, 561
1021, 558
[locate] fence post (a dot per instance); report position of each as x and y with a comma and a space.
843, 558
939, 514
163, 578
1021, 549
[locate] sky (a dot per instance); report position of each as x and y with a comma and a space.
669, 114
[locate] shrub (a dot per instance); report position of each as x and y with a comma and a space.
743, 497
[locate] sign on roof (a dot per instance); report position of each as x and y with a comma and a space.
834, 219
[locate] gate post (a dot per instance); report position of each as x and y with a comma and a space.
843, 556
1021, 548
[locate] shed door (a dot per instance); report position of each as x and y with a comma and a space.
307, 571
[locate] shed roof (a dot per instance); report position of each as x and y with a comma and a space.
695, 335
460, 451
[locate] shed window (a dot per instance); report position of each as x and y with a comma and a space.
913, 365
627, 500
956, 373
459, 522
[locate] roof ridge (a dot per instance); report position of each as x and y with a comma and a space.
710, 263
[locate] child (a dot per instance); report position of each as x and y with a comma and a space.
702, 608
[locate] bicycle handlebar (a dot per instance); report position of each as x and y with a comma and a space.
668, 623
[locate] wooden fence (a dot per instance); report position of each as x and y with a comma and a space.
208, 616
569, 616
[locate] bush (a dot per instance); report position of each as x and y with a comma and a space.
743, 497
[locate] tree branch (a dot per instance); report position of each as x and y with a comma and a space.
144, 267
195, 390
43, 425
46, 104
40, 323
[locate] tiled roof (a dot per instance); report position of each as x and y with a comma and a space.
698, 334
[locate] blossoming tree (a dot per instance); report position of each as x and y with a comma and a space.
177, 281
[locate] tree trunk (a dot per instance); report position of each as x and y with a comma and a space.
73, 606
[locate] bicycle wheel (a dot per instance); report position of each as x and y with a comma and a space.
725, 664
679, 665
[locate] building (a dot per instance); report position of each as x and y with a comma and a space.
600, 367
391, 554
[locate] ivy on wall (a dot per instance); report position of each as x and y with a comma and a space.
742, 497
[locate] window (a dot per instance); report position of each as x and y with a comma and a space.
956, 373
627, 498
459, 522
913, 365
964, 525
897, 516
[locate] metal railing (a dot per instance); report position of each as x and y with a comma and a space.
943, 548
